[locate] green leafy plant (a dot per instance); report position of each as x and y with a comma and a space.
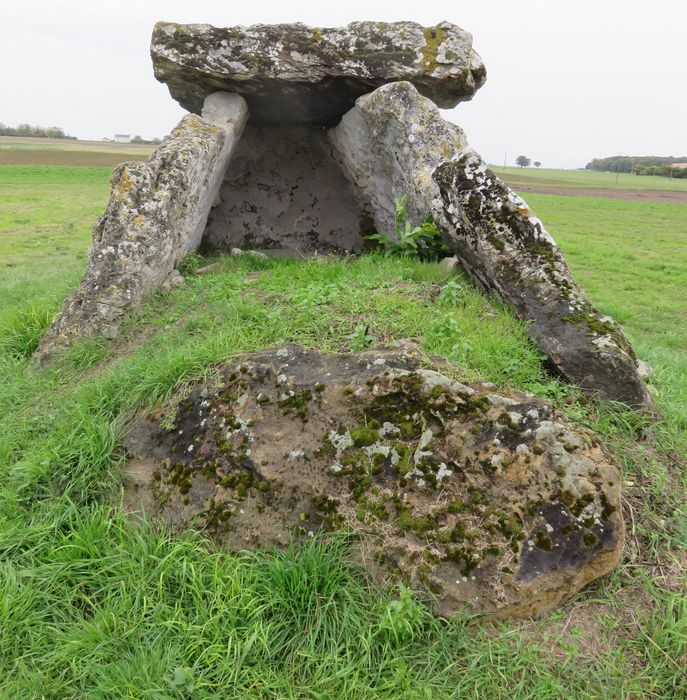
423, 242
403, 617
189, 264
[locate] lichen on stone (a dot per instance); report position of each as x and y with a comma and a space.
441, 480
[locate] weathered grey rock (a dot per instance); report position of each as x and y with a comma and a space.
388, 146
294, 74
157, 213
503, 246
173, 280
285, 190
488, 502
449, 264
394, 142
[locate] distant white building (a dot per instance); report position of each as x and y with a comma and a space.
122, 138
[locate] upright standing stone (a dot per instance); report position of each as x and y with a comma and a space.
156, 215
388, 146
394, 142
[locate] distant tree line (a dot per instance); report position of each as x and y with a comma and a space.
139, 139
640, 165
46, 132
525, 162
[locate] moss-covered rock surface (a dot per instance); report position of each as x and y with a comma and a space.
507, 249
485, 501
294, 74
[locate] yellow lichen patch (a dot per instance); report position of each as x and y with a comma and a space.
434, 37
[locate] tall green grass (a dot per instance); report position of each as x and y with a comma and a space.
95, 606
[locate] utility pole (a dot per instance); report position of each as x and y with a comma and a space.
505, 159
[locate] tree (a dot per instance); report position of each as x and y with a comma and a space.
537, 164
523, 161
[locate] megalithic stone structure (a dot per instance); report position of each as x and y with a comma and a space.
394, 142
157, 213
293, 74
342, 121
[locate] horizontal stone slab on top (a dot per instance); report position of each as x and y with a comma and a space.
294, 74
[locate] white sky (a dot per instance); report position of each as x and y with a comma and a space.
568, 80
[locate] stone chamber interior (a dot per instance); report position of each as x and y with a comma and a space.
284, 190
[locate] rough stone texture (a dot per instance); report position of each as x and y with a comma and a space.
489, 502
500, 242
294, 74
388, 145
395, 142
285, 190
156, 214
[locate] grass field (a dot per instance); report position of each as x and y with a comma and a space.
582, 179
15, 150
93, 606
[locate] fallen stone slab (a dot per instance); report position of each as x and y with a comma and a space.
394, 142
489, 502
157, 213
292, 74
503, 246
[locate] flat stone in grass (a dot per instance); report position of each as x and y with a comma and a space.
292, 74
487, 501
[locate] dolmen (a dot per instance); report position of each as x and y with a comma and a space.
302, 138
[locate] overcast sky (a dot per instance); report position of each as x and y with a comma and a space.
568, 80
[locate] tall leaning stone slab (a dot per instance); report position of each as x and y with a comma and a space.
395, 142
506, 248
157, 213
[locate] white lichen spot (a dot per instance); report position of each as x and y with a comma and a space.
377, 449
341, 441
604, 341
282, 352
281, 379
388, 429
444, 472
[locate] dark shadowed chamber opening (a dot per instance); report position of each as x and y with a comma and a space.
285, 190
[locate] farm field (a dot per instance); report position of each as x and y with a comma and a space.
92, 605
16, 150
589, 179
